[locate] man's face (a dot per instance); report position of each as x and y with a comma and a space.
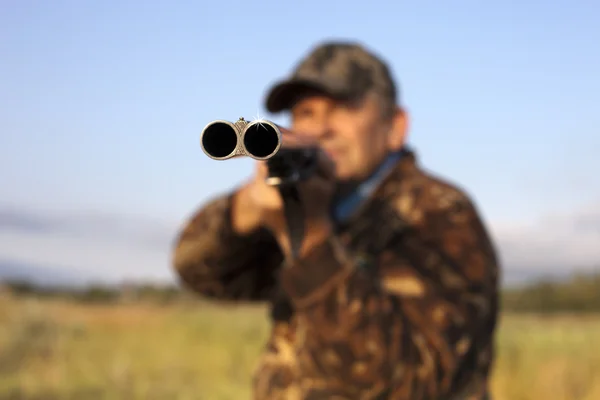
357, 137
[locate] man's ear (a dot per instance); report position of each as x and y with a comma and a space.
399, 129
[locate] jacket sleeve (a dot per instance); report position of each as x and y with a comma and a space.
419, 328
211, 259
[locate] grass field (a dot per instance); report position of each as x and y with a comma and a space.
60, 350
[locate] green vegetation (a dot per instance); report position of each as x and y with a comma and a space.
149, 342
579, 294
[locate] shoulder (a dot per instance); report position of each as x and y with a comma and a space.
442, 215
417, 192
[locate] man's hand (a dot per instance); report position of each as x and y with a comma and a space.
258, 204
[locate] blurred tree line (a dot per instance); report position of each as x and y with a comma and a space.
579, 293
99, 293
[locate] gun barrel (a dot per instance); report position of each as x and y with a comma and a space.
222, 140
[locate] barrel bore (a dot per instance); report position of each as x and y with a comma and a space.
261, 140
219, 140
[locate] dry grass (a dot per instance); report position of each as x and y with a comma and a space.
58, 350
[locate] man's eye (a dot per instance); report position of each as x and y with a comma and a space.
349, 105
303, 113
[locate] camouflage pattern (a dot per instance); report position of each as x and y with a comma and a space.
400, 304
342, 70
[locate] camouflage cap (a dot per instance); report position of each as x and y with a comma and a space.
341, 70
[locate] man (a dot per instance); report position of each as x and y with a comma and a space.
394, 292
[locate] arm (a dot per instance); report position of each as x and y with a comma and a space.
421, 331
213, 259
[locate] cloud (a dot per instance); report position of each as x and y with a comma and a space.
92, 226
109, 246
555, 244
118, 247
13, 219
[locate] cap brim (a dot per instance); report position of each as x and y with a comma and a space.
284, 94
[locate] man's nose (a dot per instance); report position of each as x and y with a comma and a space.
318, 133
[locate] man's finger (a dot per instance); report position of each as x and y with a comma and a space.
262, 170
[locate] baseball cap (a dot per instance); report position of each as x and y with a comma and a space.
342, 70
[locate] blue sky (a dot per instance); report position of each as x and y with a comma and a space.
102, 104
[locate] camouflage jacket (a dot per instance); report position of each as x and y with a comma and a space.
400, 304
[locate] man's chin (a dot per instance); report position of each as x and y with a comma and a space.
343, 175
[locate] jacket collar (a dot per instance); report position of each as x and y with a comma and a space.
344, 209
